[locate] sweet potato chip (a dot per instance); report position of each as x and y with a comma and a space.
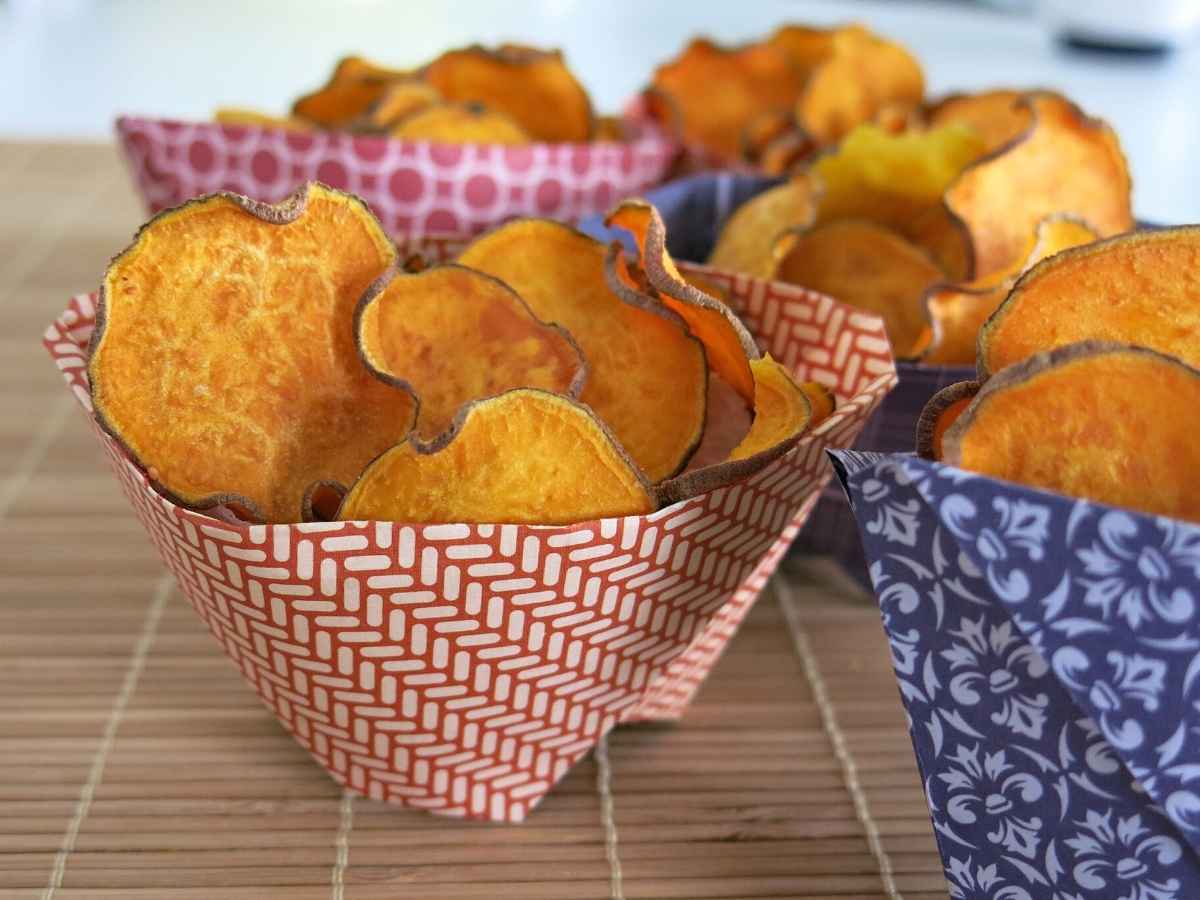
898, 180
821, 399
864, 265
1098, 420
996, 116
786, 153
727, 421
459, 123
224, 357
727, 343
451, 335
863, 74
762, 130
897, 118
956, 312
1064, 162
748, 237
399, 100
350, 91
646, 375
611, 128
712, 93
1139, 288
805, 46
939, 414
782, 413
233, 115
525, 457
532, 87
781, 409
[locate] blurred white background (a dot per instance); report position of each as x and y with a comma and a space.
67, 67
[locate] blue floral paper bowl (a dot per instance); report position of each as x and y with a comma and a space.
1047, 651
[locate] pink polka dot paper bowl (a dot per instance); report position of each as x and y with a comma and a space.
414, 187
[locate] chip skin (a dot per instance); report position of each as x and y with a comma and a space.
647, 378
956, 312
997, 116
866, 266
710, 94
747, 239
1063, 162
939, 414
524, 457
459, 123
223, 358
1142, 287
782, 414
534, 88
450, 335
1104, 421
727, 343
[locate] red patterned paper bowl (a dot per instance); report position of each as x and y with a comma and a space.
463, 668
414, 187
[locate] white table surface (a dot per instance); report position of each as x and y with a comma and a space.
67, 67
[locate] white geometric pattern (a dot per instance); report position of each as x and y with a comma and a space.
464, 668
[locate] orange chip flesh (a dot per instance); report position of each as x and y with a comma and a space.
786, 153
996, 116
356, 68
748, 238
821, 400
713, 93
762, 130
451, 335
400, 100
233, 115
897, 118
942, 410
456, 123
532, 87
863, 74
611, 128
898, 180
1096, 420
727, 343
805, 46
1142, 287
957, 311
647, 378
782, 414
781, 409
867, 266
525, 457
1064, 162
224, 357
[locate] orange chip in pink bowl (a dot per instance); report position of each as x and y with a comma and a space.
415, 187
464, 668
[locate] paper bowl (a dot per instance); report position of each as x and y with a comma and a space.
414, 187
463, 668
1047, 651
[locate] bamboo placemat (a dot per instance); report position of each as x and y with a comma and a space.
134, 762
